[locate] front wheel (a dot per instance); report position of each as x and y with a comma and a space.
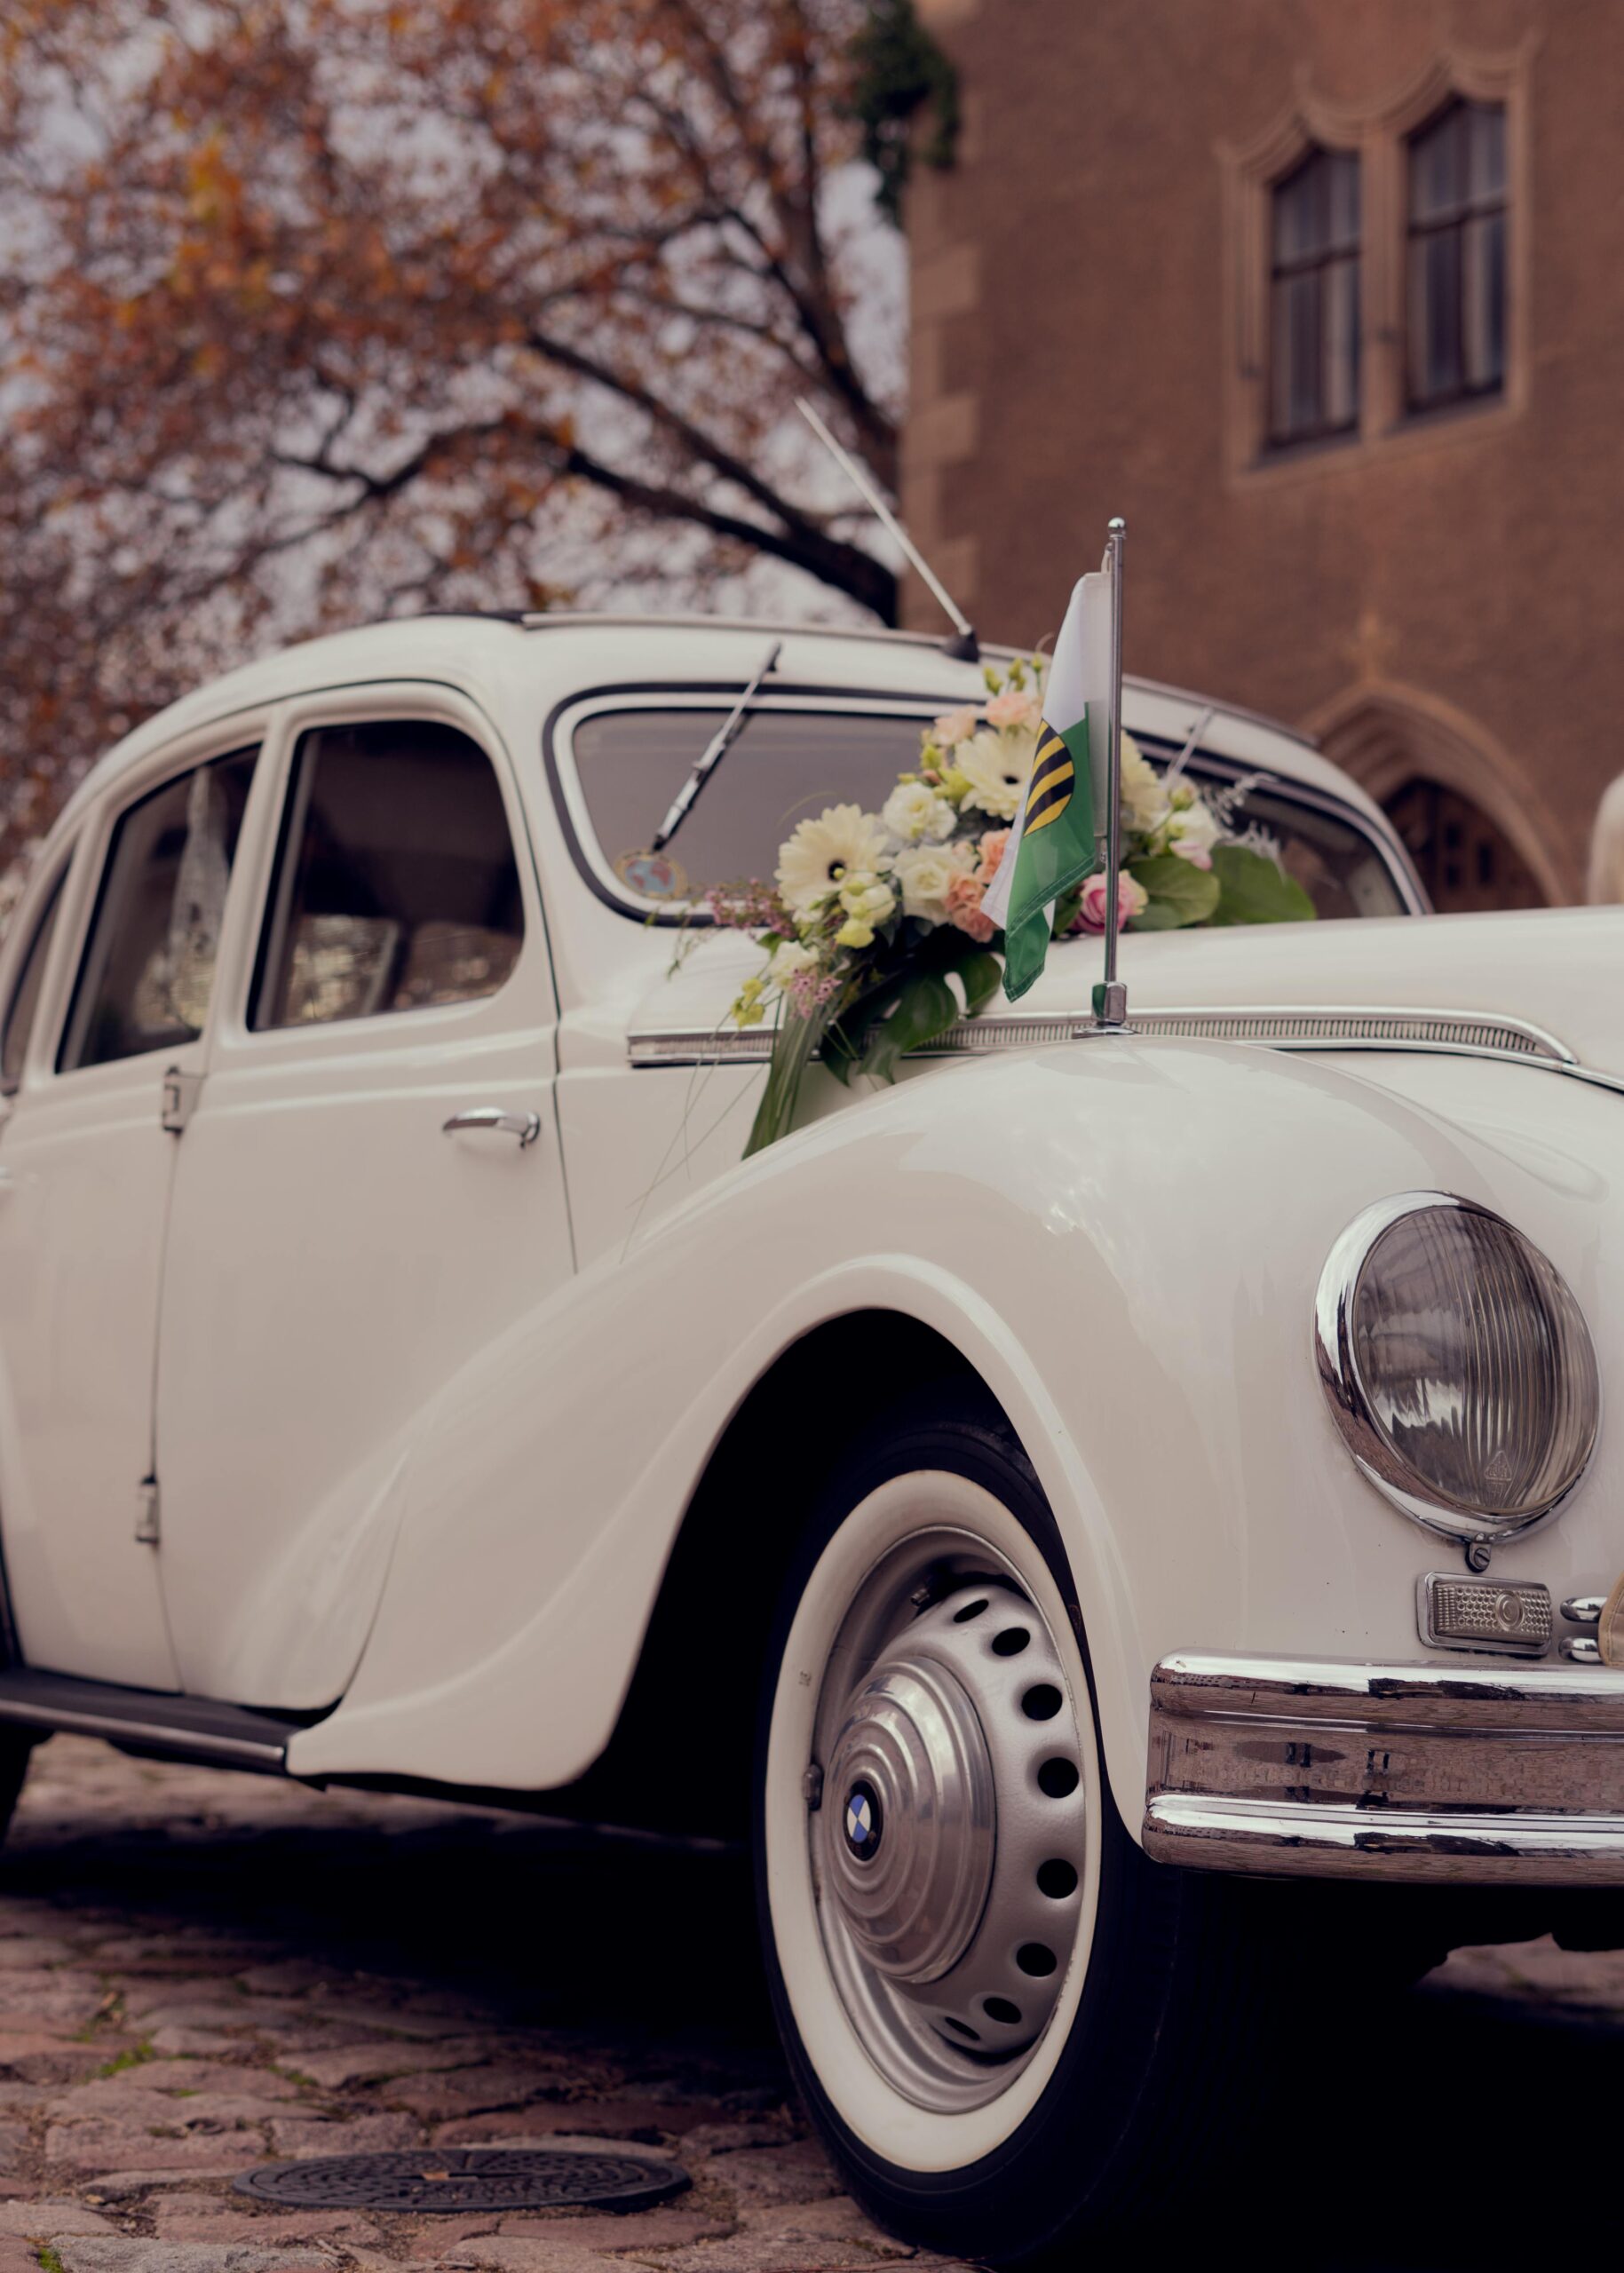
1002, 2017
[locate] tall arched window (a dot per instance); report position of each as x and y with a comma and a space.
1314, 299
1457, 255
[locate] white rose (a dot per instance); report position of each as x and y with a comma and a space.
916, 814
924, 873
867, 897
1143, 799
1192, 829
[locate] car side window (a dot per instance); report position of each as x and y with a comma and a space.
25, 995
396, 885
149, 964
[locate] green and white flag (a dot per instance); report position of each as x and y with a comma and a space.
1052, 847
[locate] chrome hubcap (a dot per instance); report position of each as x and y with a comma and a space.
913, 1885
948, 1852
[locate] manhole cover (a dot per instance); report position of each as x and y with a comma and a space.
467, 2178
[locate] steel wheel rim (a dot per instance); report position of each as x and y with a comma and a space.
949, 1841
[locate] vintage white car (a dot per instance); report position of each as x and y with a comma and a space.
1087, 1468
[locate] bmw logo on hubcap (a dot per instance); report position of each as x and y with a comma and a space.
863, 1822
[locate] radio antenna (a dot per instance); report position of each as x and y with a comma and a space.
964, 646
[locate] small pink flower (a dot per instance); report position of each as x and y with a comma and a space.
1132, 899
993, 847
964, 903
1013, 709
953, 727
1197, 855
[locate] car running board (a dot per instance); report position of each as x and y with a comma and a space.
198, 1728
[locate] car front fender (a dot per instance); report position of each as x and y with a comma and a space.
1122, 1239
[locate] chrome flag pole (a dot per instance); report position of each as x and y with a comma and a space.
1111, 997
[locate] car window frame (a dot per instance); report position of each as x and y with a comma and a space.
120, 798
48, 900
95, 826
406, 702
593, 865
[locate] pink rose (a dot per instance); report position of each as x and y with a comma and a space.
963, 902
1013, 709
953, 727
1132, 899
991, 849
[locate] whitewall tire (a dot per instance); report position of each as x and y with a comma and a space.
981, 1982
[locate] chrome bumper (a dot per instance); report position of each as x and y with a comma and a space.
1417, 1772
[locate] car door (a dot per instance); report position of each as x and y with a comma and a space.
86, 1164
370, 1187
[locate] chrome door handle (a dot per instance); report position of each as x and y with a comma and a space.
526, 1126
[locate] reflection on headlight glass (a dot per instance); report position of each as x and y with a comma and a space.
1475, 1361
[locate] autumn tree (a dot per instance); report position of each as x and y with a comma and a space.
312, 310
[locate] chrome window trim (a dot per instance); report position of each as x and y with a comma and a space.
1326, 1769
559, 754
1346, 1396
1393, 1029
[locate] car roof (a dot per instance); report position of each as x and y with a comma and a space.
607, 649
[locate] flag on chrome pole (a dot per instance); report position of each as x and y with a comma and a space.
1053, 846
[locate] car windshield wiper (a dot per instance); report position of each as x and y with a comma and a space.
681, 804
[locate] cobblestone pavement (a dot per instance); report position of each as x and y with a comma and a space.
199, 1971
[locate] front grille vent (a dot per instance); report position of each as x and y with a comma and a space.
1293, 1027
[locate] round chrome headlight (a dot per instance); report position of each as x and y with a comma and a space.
1458, 1365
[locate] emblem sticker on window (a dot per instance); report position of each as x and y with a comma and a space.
652, 876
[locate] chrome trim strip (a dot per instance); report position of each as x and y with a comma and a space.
1274, 1026
1329, 1770
1308, 1842
205, 1746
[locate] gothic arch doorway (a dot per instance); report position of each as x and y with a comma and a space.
1464, 810
1462, 858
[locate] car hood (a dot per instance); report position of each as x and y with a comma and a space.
1557, 970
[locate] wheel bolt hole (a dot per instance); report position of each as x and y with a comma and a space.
1000, 2008
1035, 1957
1058, 1779
971, 1610
1011, 1642
1057, 1878
962, 2028
1043, 1702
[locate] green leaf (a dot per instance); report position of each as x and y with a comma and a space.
794, 1046
1189, 892
979, 975
1161, 915
926, 1007
1256, 889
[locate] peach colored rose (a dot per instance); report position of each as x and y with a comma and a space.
1013, 709
993, 847
954, 727
965, 908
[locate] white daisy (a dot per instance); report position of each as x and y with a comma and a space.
816, 860
996, 766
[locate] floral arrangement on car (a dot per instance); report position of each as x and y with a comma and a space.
872, 917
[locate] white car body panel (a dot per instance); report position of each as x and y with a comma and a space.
287, 1386
460, 1552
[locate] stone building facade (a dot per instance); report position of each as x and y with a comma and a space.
1327, 297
